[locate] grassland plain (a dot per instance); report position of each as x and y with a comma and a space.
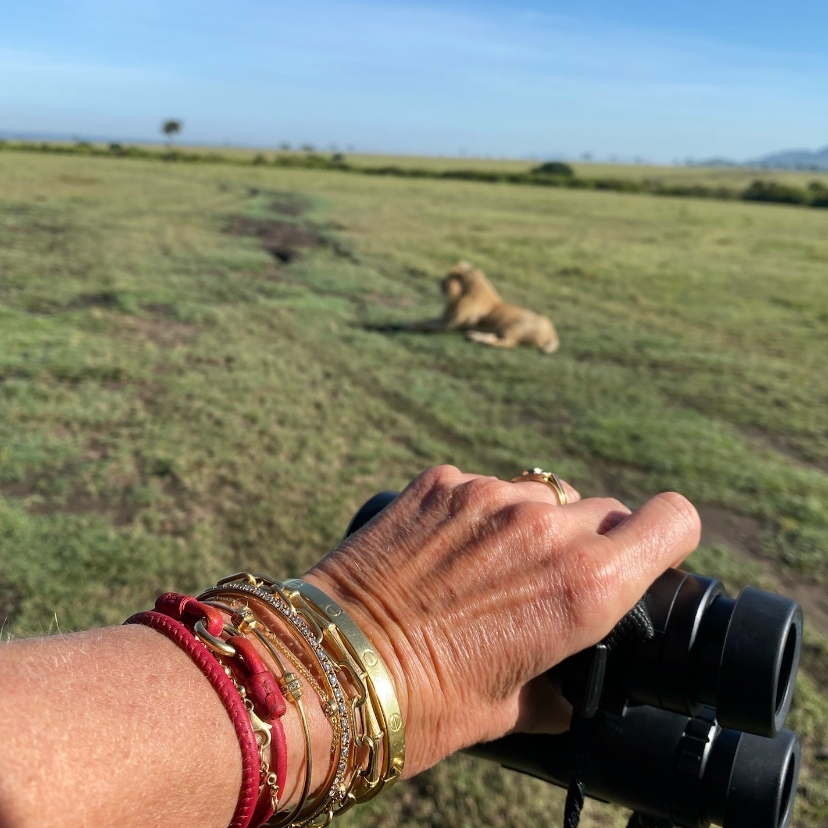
177, 403
804, 188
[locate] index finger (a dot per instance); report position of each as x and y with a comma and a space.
612, 571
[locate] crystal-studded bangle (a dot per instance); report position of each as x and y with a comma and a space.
372, 740
340, 704
386, 724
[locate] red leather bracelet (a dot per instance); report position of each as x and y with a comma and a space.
232, 701
266, 694
259, 687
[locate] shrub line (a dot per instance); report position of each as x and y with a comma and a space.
551, 174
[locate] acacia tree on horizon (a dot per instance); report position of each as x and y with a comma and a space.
170, 128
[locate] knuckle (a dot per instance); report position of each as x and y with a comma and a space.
437, 478
481, 493
589, 587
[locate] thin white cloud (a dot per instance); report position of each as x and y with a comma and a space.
18, 64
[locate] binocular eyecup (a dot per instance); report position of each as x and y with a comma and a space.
739, 656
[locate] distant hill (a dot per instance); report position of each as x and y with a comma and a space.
798, 159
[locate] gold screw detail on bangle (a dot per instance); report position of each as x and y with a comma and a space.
374, 673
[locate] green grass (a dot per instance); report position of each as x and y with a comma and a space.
175, 406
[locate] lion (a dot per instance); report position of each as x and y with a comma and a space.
474, 306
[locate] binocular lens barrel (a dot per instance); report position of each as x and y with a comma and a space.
740, 656
665, 765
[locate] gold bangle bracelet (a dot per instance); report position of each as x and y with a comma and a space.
383, 699
303, 798
247, 622
371, 723
246, 587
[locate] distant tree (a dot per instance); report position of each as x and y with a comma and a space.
308, 148
170, 128
554, 168
818, 193
284, 146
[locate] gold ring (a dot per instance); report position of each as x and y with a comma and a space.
550, 478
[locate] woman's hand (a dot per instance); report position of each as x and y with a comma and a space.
472, 588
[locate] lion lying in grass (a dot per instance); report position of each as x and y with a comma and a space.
474, 306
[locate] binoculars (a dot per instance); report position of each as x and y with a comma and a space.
686, 724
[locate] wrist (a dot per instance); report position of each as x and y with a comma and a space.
383, 621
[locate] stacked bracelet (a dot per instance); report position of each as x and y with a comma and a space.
337, 705
232, 701
247, 622
231, 632
247, 686
363, 705
383, 730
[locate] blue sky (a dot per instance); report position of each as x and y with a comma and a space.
658, 80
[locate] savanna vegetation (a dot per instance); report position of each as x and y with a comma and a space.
189, 385
783, 188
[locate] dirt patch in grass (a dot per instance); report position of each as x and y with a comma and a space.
159, 309
164, 333
784, 446
105, 299
282, 239
743, 535
721, 526
36, 500
815, 661
119, 512
289, 204
285, 238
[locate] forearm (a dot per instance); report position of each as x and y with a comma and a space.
118, 726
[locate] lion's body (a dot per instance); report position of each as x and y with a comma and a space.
474, 306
